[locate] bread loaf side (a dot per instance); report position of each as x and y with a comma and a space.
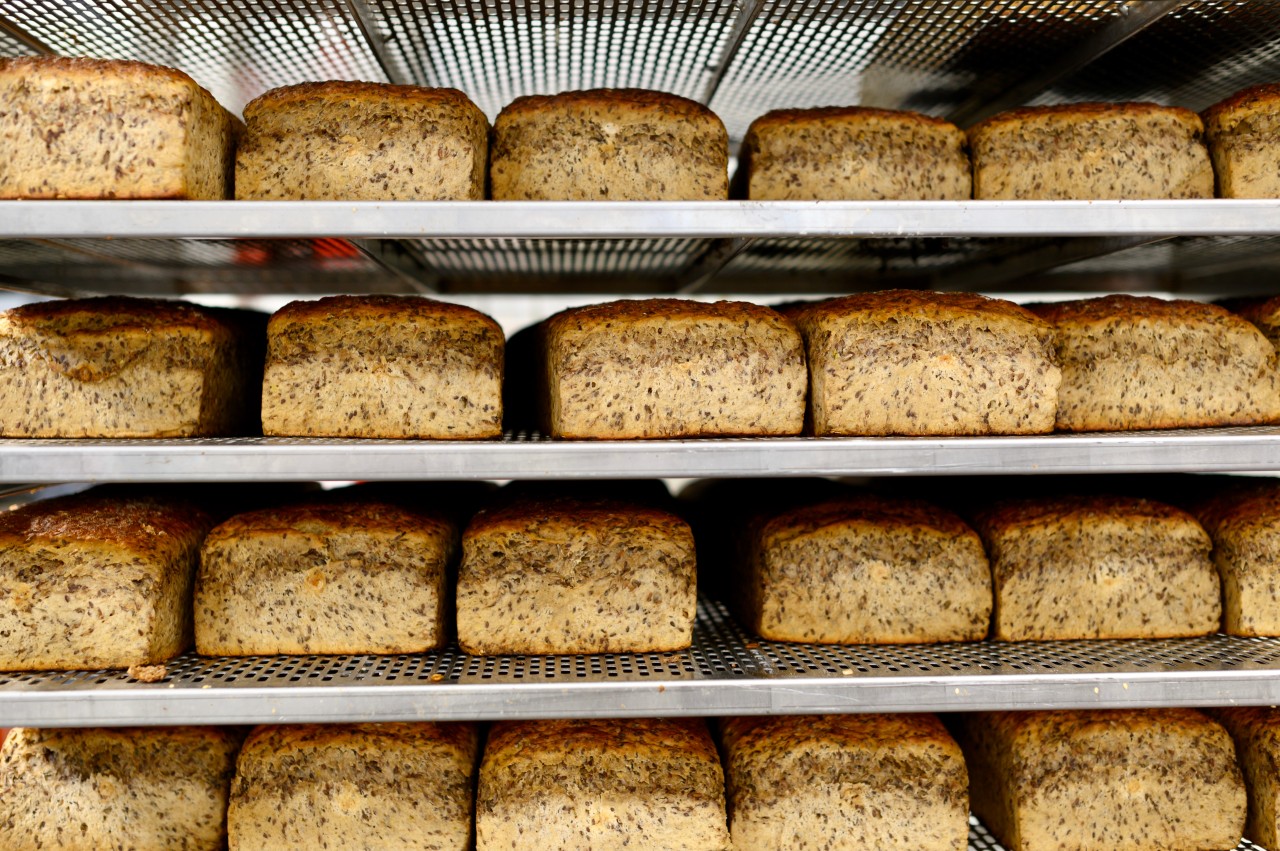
1244, 523
1255, 731
1242, 135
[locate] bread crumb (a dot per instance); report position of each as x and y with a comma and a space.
148, 673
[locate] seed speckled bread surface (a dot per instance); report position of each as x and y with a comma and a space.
101, 128
927, 363
346, 141
145, 789
348, 577
358, 787
1263, 312
662, 367
1255, 730
96, 582
854, 153
126, 367
609, 145
382, 366
1141, 780
650, 784
844, 783
565, 575
1135, 362
1244, 523
1243, 133
1091, 151
1098, 567
865, 570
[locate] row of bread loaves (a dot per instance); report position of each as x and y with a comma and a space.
893, 362
1041, 781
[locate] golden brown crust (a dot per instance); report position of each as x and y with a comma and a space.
1239, 508
523, 513
914, 304
647, 100
1003, 516
509, 741
324, 517
661, 309
375, 308
866, 509
139, 523
114, 314
1067, 113
1130, 308
788, 118
1220, 116
275, 739
84, 66
340, 91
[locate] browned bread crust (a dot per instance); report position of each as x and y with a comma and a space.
916, 304
1120, 308
337, 92
1224, 115
1064, 510
863, 509
375, 308
89, 68
323, 517
787, 118
661, 310
638, 100
1073, 112
144, 526
518, 515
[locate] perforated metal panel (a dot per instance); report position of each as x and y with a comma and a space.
981, 839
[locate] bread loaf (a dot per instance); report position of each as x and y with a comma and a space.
1134, 362
96, 582
99, 128
906, 362
1091, 151
865, 570
1263, 312
609, 145
601, 785
345, 577
1244, 523
127, 367
1144, 779
1098, 567
382, 366
565, 575
341, 141
844, 783
1255, 731
358, 787
1242, 136
149, 789
671, 368
854, 153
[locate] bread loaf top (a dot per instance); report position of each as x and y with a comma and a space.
661, 310
64, 69
1079, 510
761, 740
639, 104
376, 308
1226, 115
862, 510
144, 525
112, 314
283, 741
919, 305
1262, 311
888, 119
1036, 118
519, 515
1130, 308
321, 518
315, 327
1240, 510
340, 94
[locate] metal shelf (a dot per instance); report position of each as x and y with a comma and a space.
264, 459
725, 673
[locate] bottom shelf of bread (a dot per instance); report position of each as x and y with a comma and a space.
726, 671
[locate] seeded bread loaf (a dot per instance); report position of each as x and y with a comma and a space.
1255, 731
1242, 136
96, 582
564, 575
343, 577
1098, 567
671, 368
1142, 780
342, 141
1262, 312
358, 787
1134, 362
382, 366
1244, 523
609, 145
1091, 151
127, 367
147, 789
648, 784
844, 783
98, 128
927, 363
865, 570
854, 153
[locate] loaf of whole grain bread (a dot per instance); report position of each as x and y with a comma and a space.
100, 128
382, 366
844, 783
145, 789
128, 367
97, 581
1098, 567
360, 787
1135, 362
1255, 731
343, 141
854, 153
671, 368
1242, 136
1262, 311
352, 576
1091, 151
863, 569
569, 575
646, 784
1143, 779
1244, 523
927, 363
609, 145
